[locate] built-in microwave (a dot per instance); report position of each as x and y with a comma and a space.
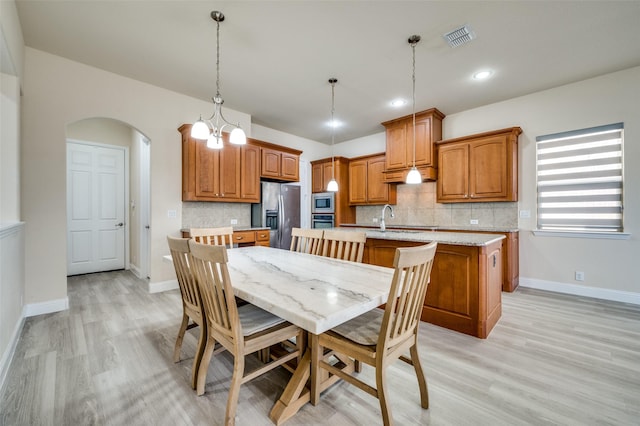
323, 202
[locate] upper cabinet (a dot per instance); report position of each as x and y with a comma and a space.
400, 149
366, 181
280, 164
321, 173
231, 174
479, 168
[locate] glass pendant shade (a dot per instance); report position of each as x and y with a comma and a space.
238, 137
332, 186
200, 130
214, 142
414, 176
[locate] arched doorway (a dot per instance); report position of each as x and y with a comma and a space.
108, 206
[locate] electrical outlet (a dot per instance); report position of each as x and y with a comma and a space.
171, 214
579, 276
474, 221
525, 214
375, 220
234, 221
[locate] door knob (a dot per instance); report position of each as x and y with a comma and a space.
119, 224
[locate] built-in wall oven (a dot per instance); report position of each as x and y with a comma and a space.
322, 220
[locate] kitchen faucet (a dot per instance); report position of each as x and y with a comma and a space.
384, 208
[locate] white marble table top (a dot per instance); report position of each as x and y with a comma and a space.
313, 292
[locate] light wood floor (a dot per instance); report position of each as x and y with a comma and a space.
551, 359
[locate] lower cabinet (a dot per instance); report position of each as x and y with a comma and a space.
465, 291
245, 238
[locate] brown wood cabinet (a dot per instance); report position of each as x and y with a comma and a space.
366, 181
479, 168
400, 150
321, 172
228, 174
464, 292
245, 238
280, 165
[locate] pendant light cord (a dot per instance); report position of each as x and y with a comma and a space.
333, 130
218, 59
413, 47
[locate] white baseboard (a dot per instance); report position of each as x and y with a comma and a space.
135, 270
33, 309
163, 286
581, 290
7, 356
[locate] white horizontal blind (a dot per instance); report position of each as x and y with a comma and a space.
580, 180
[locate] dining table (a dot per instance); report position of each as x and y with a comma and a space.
313, 292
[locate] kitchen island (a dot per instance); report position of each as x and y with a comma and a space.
510, 245
465, 291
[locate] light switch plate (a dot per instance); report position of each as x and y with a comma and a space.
171, 214
234, 221
525, 214
473, 221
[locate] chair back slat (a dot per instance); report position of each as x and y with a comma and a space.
306, 240
222, 236
221, 311
406, 297
182, 262
345, 245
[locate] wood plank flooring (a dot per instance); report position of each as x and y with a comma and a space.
551, 359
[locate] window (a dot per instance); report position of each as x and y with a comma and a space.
579, 177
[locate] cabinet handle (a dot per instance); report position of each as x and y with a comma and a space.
239, 238
494, 260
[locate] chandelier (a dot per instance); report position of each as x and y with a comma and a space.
211, 128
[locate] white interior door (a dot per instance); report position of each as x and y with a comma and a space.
95, 208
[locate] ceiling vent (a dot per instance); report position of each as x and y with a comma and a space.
459, 36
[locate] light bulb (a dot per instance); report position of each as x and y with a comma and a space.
238, 137
200, 130
214, 142
414, 176
332, 186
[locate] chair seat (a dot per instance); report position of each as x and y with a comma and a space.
364, 330
255, 320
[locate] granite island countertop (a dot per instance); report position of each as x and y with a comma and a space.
433, 228
453, 238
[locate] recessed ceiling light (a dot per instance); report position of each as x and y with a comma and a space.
482, 75
334, 123
396, 103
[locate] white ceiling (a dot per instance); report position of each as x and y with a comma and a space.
276, 56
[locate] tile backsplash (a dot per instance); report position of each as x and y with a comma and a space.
416, 205
206, 215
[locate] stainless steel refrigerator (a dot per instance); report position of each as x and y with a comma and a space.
279, 210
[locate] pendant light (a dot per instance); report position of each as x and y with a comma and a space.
414, 176
211, 129
333, 184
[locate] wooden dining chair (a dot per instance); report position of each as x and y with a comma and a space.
378, 337
191, 302
241, 330
222, 236
346, 245
306, 240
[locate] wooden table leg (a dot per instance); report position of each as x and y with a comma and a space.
295, 395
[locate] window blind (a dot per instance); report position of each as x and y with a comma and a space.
579, 175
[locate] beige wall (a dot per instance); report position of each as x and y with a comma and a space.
58, 91
550, 262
